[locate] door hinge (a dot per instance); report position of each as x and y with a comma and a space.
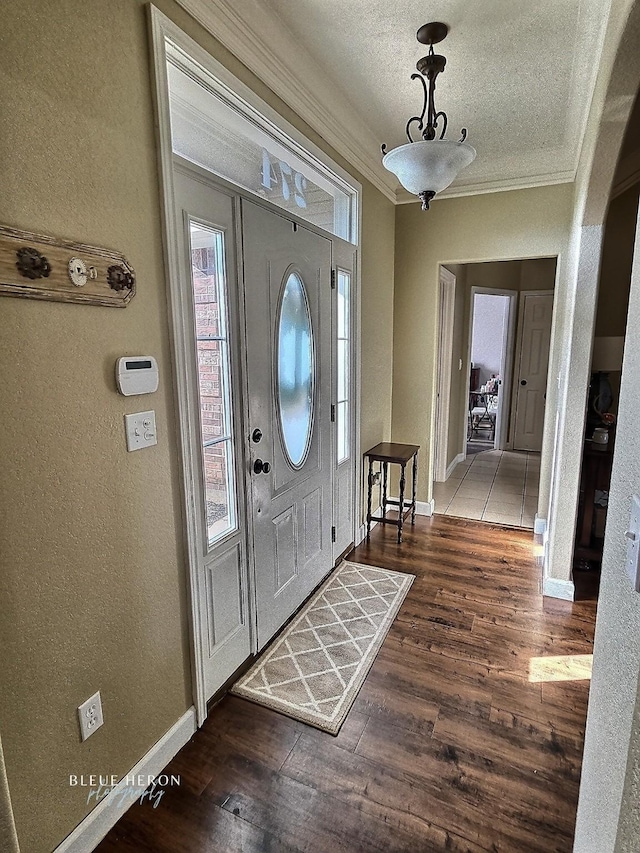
333, 413
333, 534
333, 279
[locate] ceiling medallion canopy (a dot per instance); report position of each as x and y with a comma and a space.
428, 166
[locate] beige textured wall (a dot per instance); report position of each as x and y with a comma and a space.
92, 576
538, 274
628, 836
378, 237
504, 275
92, 579
497, 226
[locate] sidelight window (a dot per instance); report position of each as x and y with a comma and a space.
209, 284
343, 366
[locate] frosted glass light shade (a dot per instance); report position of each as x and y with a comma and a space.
428, 166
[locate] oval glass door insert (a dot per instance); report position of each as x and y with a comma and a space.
296, 371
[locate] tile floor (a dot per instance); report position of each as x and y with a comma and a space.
496, 485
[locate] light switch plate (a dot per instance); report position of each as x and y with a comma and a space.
633, 543
140, 430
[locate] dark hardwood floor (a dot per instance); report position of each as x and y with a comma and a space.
448, 747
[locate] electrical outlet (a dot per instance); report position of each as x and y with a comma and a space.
90, 715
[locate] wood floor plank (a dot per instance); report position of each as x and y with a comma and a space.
302, 815
453, 787
450, 746
377, 788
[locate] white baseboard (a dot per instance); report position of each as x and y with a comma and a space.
458, 459
362, 533
422, 507
556, 588
539, 526
425, 507
88, 834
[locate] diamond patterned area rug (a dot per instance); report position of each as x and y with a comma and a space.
315, 668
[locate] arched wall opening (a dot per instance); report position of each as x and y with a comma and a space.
607, 819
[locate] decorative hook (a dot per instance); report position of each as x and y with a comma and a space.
31, 264
119, 278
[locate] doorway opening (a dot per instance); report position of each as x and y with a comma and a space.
492, 318
495, 331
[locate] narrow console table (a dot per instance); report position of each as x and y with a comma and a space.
397, 454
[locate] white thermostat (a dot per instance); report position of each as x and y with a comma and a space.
137, 374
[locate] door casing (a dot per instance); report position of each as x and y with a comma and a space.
502, 436
446, 318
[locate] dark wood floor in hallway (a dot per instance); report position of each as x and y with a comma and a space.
459, 741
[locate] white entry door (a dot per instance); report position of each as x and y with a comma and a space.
287, 281
536, 311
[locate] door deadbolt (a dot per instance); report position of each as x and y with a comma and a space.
260, 467
256, 435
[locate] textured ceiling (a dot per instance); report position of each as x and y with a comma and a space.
519, 75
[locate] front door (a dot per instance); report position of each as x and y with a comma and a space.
287, 285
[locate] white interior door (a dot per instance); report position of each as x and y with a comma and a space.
206, 323
506, 379
287, 277
536, 311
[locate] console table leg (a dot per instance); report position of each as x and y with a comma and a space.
385, 466
415, 487
370, 480
401, 503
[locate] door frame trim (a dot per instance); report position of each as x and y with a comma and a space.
446, 319
506, 358
160, 28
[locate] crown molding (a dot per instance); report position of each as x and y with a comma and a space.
265, 45
495, 186
299, 81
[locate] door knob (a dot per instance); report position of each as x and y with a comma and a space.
523, 381
260, 467
256, 435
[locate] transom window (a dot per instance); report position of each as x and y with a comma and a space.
214, 128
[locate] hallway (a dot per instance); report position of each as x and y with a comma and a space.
495, 485
461, 740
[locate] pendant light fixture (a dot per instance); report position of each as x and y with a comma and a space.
427, 167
